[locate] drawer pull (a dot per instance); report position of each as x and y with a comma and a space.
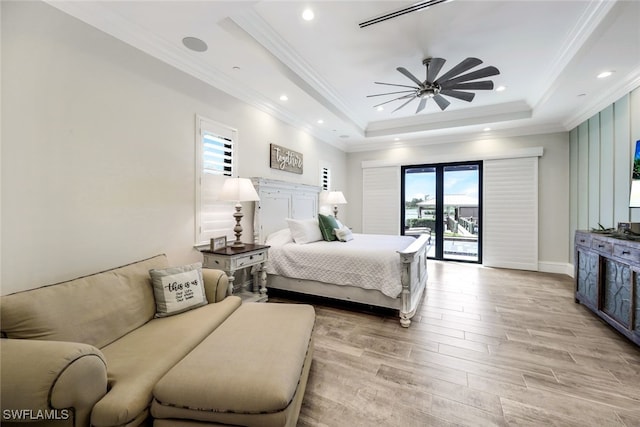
583, 240
601, 246
626, 253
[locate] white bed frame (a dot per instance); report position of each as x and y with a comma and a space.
280, 200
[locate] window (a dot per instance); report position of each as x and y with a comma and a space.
215, 161
217, 154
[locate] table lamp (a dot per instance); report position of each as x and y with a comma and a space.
238, 190
336, 198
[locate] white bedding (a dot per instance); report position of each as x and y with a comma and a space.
368, 261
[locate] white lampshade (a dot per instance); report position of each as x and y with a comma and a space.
336, 198
238, 190
634, 199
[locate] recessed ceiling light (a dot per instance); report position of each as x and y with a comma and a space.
604, 74
194, 44
396, 139
308, 15
284, 98
320, 121
236, 68
486, 129
501, 88
380, 108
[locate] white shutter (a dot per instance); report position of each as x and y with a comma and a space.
325, 178
510, 220
215, 148
381, 200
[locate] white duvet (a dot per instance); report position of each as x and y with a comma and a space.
369, 261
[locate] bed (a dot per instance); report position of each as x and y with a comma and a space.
377, 270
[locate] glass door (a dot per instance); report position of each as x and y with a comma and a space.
444, 201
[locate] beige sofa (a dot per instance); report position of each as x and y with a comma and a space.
90, 351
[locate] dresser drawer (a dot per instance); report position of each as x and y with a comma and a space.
602, 246
250, 259
583, 239
627, 253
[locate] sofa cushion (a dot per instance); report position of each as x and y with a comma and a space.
178, 289
96, 309
138, 360
247, 372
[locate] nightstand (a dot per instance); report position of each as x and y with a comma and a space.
231, 259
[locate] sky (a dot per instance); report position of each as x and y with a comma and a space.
417, 185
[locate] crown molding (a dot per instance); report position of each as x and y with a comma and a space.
463, 136
97, 16
450, 119
589, 21
604, 99
302, 73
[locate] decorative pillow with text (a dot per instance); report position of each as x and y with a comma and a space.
178, 289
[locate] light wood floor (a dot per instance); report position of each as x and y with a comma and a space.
488, 347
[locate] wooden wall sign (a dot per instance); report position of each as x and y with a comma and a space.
285, 160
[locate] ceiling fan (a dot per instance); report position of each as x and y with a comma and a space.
452, 83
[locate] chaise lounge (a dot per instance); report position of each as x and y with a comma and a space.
97, 351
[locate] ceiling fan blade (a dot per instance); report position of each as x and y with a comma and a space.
481, 85
395, 99
465, 65
402, 105
465, 96
433, 68
441, 101
478, 74
393, 84
391, 93
410, 76
423, 103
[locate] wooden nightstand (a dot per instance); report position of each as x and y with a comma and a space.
231, 259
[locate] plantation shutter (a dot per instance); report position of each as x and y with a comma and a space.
381, 200
215, 162
325, 178
510, 220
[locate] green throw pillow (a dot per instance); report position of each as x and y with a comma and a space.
327, 224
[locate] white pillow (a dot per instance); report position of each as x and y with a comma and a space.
305, 230
343, 234
279, 238
178, 289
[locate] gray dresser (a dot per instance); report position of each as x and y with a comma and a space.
607, 274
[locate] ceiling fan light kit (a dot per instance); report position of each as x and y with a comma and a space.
454, 83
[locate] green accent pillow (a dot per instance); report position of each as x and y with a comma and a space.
327, 224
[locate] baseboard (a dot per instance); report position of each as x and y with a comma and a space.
556, 267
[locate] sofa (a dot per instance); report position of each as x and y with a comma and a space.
100, 351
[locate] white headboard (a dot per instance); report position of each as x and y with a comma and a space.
280, 200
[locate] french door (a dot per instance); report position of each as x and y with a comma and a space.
444, 200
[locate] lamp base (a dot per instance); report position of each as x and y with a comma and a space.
237, 230
237, 244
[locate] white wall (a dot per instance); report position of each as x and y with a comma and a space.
98, 150
553, 245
